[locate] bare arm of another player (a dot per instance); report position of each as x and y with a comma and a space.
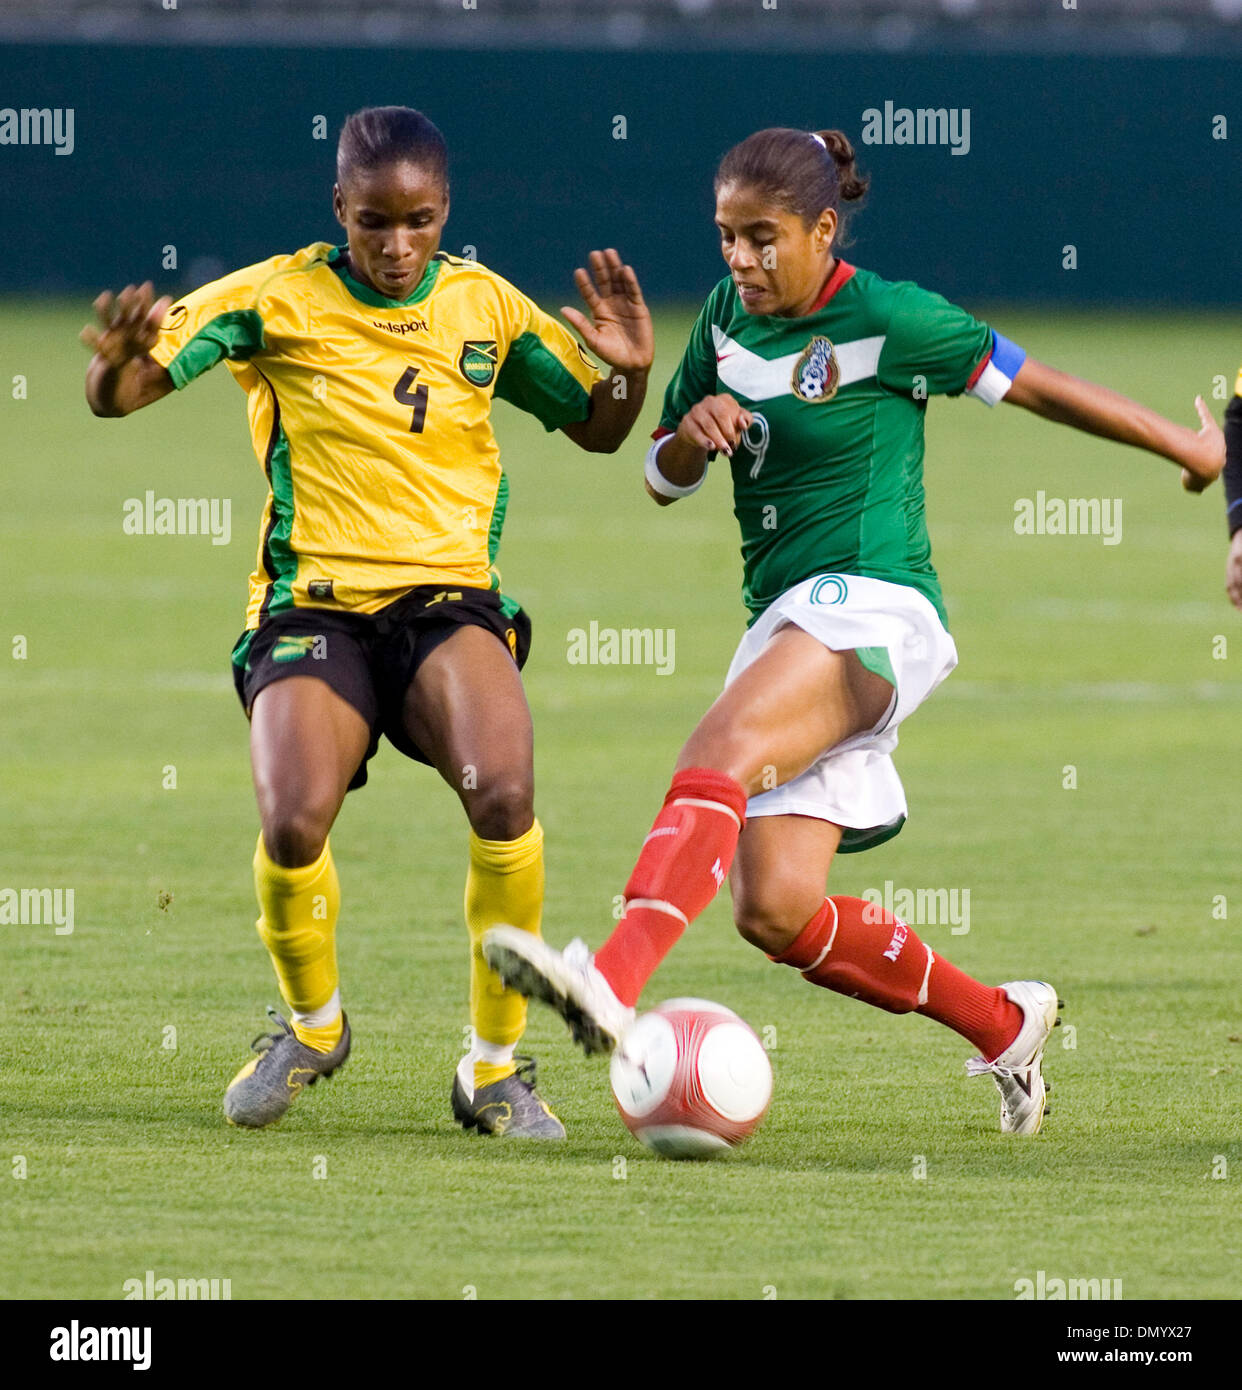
715, 422
122, 377
1233, 570
1233, 495
619, 332
1071, 401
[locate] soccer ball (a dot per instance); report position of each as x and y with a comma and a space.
691, 1079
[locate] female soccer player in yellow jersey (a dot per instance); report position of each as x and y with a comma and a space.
812, 376
369, 370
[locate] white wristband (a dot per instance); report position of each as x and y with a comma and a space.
659, 483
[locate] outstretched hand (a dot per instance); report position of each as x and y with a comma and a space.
129, 323
1208, 455
1233, 571
620, 333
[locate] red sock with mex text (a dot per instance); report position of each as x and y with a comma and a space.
857, 948
684, 860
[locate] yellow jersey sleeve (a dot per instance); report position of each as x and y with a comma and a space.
546, 371
226, 319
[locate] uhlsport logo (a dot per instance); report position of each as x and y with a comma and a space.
816, 373
829, 589
414, 325
478, 361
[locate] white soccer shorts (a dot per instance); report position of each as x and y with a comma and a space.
898, 633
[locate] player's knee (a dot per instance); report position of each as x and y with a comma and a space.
726, 752
501, 809
772, 927
771, 910
296, 835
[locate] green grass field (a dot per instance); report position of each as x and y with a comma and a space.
1072, 653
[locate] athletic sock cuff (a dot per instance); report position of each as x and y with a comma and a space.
289, 881
809, 947
508, 856
706, 784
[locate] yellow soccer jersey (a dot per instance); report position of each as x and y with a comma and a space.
372, 418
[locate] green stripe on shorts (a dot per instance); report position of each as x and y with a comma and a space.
876, 659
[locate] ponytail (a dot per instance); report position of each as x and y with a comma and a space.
852, 184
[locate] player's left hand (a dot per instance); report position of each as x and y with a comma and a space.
1207, 456
1233, 571
128, 324
621, 334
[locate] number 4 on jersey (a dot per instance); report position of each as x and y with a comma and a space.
417, 399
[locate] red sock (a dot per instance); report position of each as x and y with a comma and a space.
856, 948
684, 860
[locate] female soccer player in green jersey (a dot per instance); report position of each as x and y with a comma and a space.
370, 370
812, 376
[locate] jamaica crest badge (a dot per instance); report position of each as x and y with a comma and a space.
816, 373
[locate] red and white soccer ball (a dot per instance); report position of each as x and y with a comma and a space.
691, 1079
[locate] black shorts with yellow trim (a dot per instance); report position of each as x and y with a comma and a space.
369, 659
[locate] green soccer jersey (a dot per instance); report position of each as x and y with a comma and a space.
830, 474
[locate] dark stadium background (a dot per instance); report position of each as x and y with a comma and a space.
1081, 133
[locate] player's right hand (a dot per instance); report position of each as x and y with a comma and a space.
129, 323
1203, 463
716, 422
1233, 571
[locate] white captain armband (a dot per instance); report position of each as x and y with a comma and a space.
994, 375
659, 483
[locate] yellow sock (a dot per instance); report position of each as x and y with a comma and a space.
297, 924
504, 884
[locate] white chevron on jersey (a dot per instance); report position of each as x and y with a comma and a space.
761, 378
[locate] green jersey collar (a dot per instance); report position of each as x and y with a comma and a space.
337, 260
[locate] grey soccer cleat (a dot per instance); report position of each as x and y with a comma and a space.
511, 1106
1018, 1071
568, 980
269, 1083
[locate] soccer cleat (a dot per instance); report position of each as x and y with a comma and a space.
1018, 1071
268, 1084
510, 1106
568, 980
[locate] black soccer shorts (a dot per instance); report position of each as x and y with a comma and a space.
370, 659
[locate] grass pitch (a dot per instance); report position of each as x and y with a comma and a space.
879, 1172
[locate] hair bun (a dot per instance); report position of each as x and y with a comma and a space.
837, 143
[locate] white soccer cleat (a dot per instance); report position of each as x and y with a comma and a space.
568, 980
1018, 1070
